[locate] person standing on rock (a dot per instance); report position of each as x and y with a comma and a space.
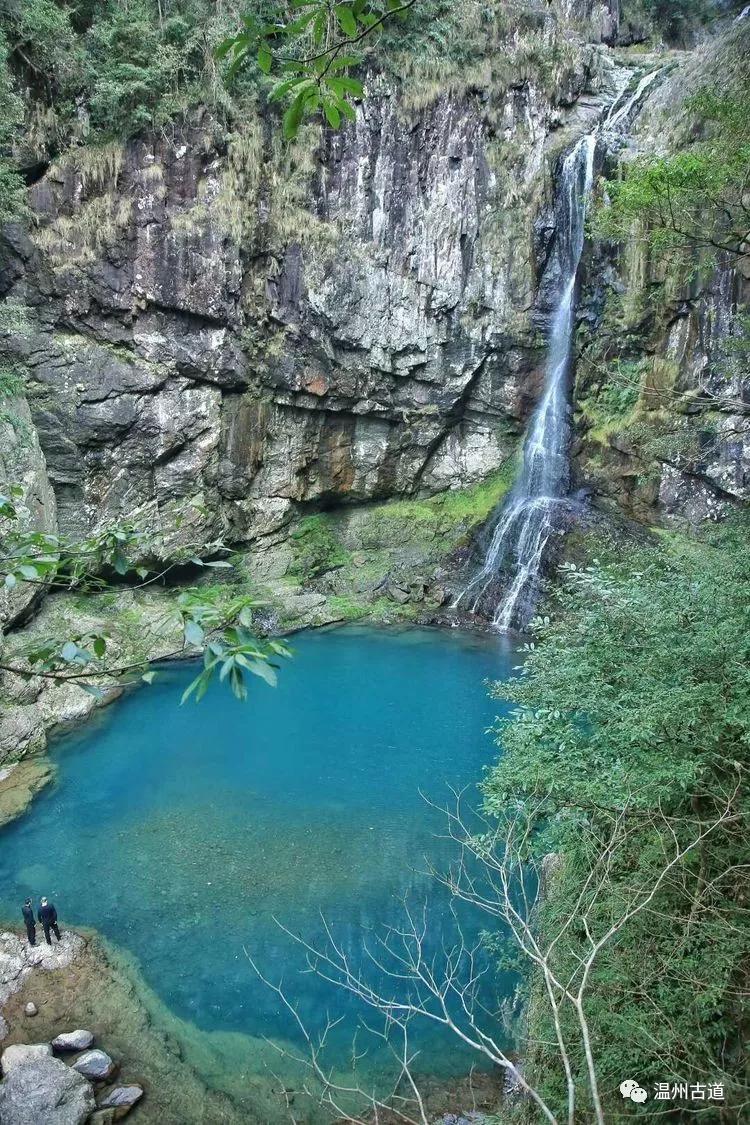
29, 921
48, 918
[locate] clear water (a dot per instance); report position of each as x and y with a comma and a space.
181, 832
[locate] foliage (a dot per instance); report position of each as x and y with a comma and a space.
444, 512
311, 50
316, 548
612, 392
217, 625
698, 196
106, 69
11, 118
11, 381
636, 697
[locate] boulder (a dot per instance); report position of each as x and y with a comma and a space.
22, 1053
73, 1041
43, 1089
121, 1100
398, 594
95, 1065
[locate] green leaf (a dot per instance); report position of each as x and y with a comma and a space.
293, 116
223, 49
346, 20
351, 85
265, 59
193, 633
341, 62
333, 117
197, 687
284, 88
92, 689
220, 564
99, 646
263, 670
10, 581
69, 652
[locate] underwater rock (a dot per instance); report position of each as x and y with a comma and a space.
95, 1065
122, 1099
39, 1088
31, 1008
79, 1040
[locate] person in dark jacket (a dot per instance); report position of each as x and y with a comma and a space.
48, 918
29, 921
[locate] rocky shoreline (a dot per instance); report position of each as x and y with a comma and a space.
66, 1080
102, 1046
79, 1044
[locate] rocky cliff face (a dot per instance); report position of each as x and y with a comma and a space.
663, 382
325, 355
222, 335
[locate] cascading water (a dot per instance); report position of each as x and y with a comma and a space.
528, 519
532, 512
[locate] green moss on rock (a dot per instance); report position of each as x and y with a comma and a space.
316, 548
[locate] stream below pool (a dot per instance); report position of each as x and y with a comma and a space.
182, 833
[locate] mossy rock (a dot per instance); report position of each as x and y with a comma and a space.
19, 784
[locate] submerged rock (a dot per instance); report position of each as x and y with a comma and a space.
121, 1100
79, 1040
40, 1088
95, 1065
31, 1008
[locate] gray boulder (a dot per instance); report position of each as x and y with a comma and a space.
43, 1089
121, 1100
79, 1040
95, 1065
22, 1053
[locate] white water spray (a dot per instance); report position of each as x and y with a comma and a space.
530, 516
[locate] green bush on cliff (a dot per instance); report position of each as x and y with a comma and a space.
453, 511
315, 547
634, 708
12, 191
696, 196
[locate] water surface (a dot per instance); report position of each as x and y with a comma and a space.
181, 833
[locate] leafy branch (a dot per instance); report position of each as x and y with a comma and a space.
309, 54
223, 631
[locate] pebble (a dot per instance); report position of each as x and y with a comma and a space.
31, 1008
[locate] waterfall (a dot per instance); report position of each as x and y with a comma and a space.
528, 518
531, 514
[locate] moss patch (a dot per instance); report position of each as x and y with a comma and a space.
315, 548
449, 515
